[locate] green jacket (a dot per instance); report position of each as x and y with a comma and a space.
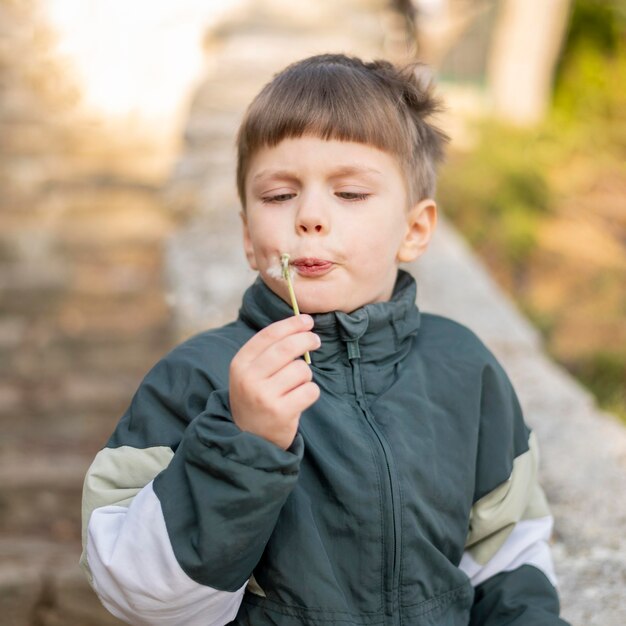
408, 496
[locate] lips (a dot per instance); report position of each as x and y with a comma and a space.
310, 266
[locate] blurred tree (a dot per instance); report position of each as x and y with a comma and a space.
509, 47
525, 49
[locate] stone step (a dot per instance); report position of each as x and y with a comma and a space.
137, 276
122, 313
99, 184
118, 285
61, 224
98, 356
41, 583
100, 353
29, 136
76, 338
130, 321
79, 316
70, 431
30, 304
117, 227
68, 394
8, 252
13, 330
45, 418
28, 353
41, 497
144, 255
23, 563
17, 278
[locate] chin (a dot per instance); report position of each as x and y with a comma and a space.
316, 308
325, 307
313, 305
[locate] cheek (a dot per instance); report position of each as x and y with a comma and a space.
378, 244
262, 235
267, 244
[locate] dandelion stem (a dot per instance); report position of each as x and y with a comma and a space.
284, 263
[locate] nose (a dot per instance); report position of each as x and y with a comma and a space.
312, 216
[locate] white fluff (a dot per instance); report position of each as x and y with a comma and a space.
276, 271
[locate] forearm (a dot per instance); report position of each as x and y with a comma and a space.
183, 547
520, 597
222, 494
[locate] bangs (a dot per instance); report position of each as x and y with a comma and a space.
329, 102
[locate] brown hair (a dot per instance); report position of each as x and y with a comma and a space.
334, 96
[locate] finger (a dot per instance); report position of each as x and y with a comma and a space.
283, 352
271, 334
301, 398
289, 377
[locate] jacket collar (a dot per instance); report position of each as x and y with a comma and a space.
381, 330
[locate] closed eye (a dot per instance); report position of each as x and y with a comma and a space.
284, 197
353, 195
281, 197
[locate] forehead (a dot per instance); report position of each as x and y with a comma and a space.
332, 158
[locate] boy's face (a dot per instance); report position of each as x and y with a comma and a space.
339, 209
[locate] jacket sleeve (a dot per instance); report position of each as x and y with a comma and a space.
507, 554
179, 506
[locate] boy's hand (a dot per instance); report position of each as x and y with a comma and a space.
269, 385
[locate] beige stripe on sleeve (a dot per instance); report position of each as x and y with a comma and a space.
520, 497
115, 477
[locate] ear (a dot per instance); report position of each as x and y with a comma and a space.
421, 220
247, 242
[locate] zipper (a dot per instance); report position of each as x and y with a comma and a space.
354, 356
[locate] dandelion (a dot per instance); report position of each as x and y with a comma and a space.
286, 275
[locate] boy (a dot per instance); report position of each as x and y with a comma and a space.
393, 481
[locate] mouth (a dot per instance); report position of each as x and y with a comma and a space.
310, 266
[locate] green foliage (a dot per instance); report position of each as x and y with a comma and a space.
497, 193
604, 373
600, 23
589, 93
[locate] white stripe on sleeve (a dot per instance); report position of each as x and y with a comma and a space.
137, 576
526, 545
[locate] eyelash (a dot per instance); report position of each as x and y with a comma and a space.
355, 197
274, 199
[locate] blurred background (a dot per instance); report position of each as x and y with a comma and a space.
119, 233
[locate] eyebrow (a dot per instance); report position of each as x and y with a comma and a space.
338, 172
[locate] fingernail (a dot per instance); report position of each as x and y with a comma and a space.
318, 340
306, 319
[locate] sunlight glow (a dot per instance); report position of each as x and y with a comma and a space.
136, 58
